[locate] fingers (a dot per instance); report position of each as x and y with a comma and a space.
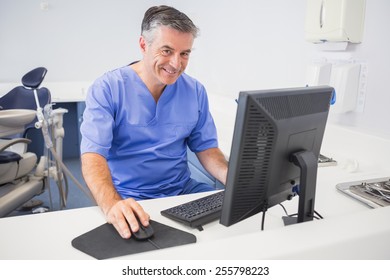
123, 216
138, 212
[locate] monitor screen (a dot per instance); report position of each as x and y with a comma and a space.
274, 155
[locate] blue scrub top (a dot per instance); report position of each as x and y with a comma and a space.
144, 142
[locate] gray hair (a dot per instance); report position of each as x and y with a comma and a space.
166, 16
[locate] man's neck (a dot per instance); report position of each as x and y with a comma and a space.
155, 89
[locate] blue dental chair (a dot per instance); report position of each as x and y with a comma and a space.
17, 120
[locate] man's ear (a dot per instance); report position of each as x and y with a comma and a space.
142, 44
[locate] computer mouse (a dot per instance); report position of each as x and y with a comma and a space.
143, 233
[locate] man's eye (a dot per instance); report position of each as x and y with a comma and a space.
166, 52
185, 54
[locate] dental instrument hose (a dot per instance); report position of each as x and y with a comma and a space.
49, 145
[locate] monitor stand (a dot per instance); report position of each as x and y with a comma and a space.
288, 220
308, 163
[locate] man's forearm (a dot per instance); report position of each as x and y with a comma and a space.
214, 161
98, 179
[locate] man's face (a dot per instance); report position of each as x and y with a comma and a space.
167, 56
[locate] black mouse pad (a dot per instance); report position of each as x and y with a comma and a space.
104, 241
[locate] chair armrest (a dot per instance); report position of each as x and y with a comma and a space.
6, 143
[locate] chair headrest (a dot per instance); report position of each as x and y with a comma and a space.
34, 78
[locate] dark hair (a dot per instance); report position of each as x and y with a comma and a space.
166, 16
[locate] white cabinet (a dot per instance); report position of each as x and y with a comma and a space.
334, 20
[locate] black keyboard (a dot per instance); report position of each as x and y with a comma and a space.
197, 213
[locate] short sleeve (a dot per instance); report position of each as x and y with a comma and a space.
98, 120
204, 135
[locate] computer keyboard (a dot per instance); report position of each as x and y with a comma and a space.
197, 213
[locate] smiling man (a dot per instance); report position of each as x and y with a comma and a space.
139, 120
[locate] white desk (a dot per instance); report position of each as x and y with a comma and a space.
350, 230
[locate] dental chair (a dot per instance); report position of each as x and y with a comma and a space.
21, 111
22, 176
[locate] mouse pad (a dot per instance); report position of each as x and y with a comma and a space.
104, 241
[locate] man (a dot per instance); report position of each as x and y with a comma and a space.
139, 120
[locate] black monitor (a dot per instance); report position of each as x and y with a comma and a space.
275, 149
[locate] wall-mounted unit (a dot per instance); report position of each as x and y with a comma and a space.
318, 74
334, 20
345, 80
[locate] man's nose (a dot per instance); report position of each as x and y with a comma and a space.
175, 61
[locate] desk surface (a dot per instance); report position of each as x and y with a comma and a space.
350, 229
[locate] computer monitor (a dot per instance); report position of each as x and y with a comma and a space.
276, 143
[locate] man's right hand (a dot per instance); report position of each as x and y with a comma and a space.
124, 213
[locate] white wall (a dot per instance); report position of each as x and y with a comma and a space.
247, 44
